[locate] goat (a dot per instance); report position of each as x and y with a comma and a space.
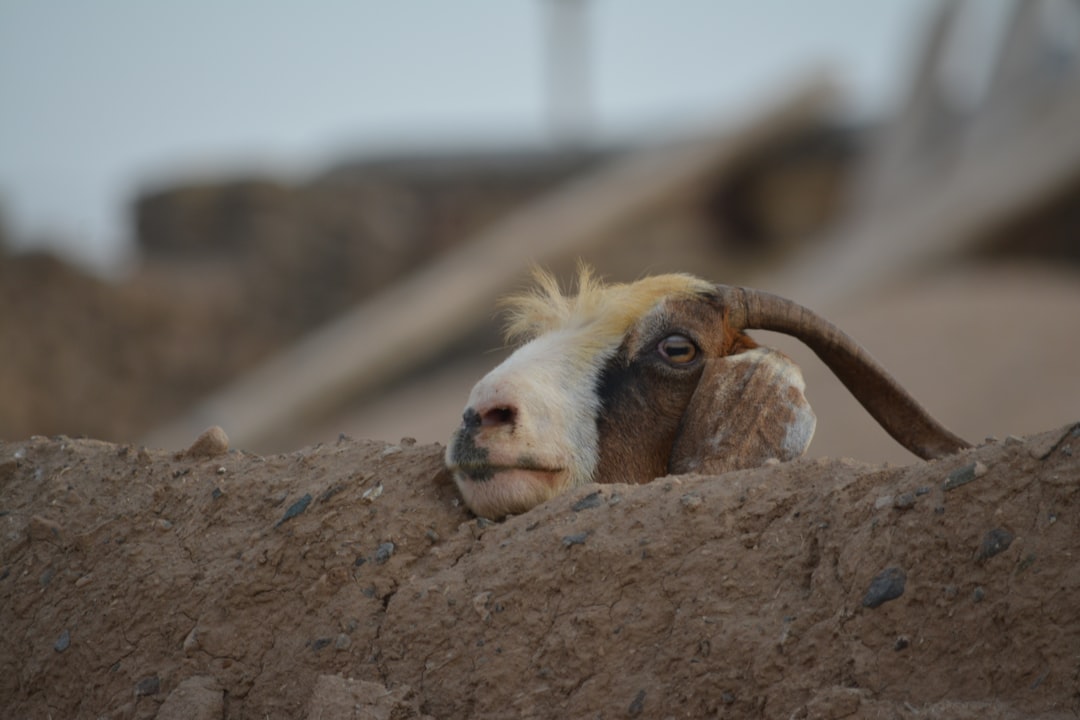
630, 382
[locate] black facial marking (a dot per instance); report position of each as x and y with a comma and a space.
470, 459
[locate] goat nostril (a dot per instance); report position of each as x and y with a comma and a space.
471, 419
498, 416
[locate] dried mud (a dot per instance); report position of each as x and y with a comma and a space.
346, 580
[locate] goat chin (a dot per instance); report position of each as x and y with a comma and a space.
508, 491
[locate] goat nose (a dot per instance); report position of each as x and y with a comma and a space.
496, 416
471, 419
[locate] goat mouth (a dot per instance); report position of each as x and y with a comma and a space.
483, 472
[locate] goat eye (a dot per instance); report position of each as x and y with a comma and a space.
677, 349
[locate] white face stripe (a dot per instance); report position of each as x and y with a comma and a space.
552, 384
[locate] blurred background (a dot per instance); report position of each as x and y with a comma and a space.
294, 220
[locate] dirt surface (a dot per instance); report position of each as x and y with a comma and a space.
346, 580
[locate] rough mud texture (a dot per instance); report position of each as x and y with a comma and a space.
345, 581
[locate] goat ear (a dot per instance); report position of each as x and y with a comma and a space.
747, 408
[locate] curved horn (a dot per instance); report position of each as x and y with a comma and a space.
882, 396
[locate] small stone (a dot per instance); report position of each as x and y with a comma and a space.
342, 642
150, 685
994, 542
727, 698
163, 525
591, 500
369, 496
42, 529
901, 643
191, 642
575, 539
904, 501
295, 509
638, 705
212, 442
978, 594
83, 580
887, 585
963, 475
384, 552
883, 501
63, 642
924, 490
199, 697
691, 502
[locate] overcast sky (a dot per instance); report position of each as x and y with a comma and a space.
100, 97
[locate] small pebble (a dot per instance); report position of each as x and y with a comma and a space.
295, 509
901, 643
960, 476
591, 500
148, 686
575, 539
342, 642
995, 541
904, 501
191, 642
43, 529
883, 501
690, 502
978, 594
63, 642
383, 552
372, 493
887, 585
212, 442
638, 705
